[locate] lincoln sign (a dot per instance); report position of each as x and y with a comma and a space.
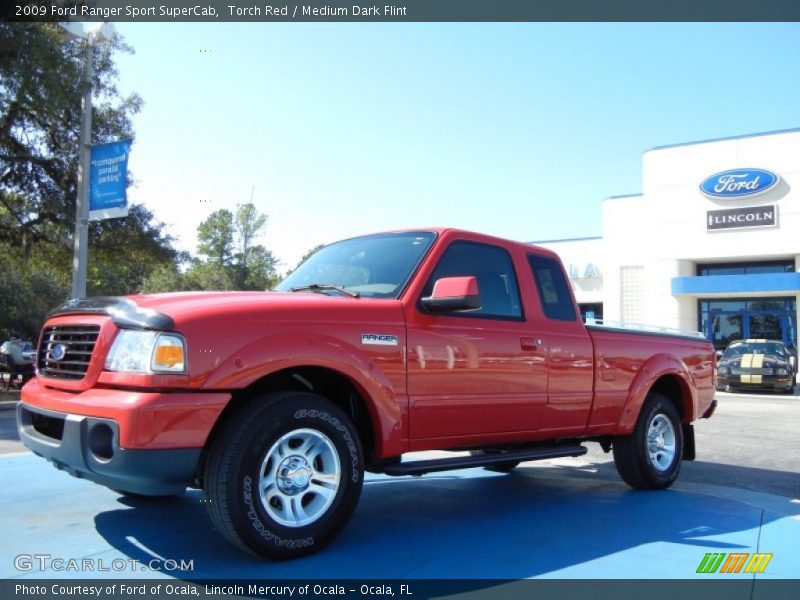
737, 218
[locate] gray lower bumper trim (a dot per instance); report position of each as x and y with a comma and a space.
146, 472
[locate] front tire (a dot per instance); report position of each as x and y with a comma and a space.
650, 457
284, 475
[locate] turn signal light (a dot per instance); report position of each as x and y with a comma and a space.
169, 354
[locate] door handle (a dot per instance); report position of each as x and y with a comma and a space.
529, 343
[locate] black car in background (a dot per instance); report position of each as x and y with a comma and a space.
756, 365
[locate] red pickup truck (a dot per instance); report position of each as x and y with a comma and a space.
275, 403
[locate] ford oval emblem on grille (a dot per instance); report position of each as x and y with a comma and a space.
58, 352
739, 183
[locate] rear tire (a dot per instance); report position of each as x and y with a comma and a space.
650, 457
284, 475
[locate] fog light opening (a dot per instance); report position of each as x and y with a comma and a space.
101, 441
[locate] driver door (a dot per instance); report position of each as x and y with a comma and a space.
475, 372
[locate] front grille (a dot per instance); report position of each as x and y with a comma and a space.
65, 350
752, 371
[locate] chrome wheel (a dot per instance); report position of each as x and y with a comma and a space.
284, 474
661, 442
299, 477
650, 456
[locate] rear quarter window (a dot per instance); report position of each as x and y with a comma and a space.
552, 286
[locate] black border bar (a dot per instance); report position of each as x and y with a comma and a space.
735, 587
401, 10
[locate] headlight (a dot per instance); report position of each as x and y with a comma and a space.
147, 352
724, 371
781, 371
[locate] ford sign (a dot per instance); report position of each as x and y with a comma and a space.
58, 352
739, 183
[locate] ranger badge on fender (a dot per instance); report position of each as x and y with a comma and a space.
378, 339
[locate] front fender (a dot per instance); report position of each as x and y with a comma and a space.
387, 406
652, 370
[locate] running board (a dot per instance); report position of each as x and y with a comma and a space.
420, 467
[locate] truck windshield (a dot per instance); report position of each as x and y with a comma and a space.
374, 266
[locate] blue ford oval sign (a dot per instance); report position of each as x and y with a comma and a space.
738, 183
58, 352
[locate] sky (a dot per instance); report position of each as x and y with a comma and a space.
516, 130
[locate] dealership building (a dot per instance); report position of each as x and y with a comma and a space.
712, 243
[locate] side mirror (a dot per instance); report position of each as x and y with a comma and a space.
719, 354
453, 293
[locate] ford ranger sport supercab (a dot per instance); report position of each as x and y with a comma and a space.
276, 403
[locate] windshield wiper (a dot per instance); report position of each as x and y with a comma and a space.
322, 287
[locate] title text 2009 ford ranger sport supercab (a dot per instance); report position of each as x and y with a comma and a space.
275, 403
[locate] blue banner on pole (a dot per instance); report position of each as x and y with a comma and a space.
108, 180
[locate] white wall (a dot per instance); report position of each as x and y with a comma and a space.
664, 228
671, 178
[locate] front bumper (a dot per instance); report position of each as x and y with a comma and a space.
760, 382
143, 442
88, 448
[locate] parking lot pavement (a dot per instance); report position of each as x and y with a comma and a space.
9, 440
750, 443
562, 518
533, 523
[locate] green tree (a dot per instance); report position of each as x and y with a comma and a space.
209, 276
260, 272
255, 265
165, 278
231, 258
40, 104
249, 225
215, 235
123, 252
26, 296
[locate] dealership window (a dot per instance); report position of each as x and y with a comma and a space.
592, 309
746, 268
724, 320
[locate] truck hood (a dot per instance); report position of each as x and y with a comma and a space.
181, 302
167, 311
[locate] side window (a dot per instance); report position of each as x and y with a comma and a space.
492, 267
553, 291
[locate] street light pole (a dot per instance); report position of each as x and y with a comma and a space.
91, 33
81, 248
